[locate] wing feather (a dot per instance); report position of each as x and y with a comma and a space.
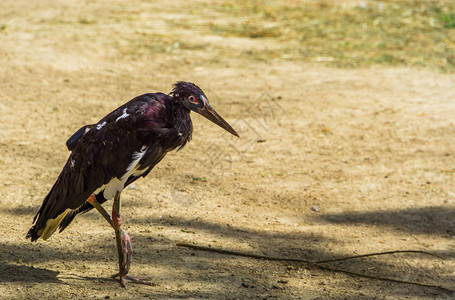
102, 153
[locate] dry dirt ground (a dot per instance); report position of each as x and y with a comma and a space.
372, 149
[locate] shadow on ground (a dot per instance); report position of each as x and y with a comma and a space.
437, 220
20, 273
157, 251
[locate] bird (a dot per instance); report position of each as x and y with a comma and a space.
113, 153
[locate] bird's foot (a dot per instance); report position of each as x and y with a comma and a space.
126, 263
127, 252
124, 279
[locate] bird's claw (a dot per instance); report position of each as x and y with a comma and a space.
127, 253
124, 279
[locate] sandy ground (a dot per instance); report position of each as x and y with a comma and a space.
372, 149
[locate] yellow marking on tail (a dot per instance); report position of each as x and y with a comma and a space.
51, 225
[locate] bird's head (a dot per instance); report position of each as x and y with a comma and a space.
193, 98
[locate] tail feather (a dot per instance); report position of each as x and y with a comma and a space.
84, 208
42, 217
56, 207
48, 229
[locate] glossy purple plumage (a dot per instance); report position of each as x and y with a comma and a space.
155, 123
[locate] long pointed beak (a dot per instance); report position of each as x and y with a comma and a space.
208, 112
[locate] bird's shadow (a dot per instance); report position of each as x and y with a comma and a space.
21, 273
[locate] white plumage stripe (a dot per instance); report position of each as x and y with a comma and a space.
137, 156
117, 185
125, 115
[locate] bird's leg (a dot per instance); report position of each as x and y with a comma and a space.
100, 209
124, 247
123, 242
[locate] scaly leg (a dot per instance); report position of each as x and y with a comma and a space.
124, 247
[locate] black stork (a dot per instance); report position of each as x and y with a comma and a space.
113, 153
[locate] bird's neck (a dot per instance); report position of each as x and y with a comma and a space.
182, 121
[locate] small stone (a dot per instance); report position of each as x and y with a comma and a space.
315, 208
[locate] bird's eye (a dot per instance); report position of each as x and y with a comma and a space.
192, 99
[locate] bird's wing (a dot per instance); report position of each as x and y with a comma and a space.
72, 141
102, 154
